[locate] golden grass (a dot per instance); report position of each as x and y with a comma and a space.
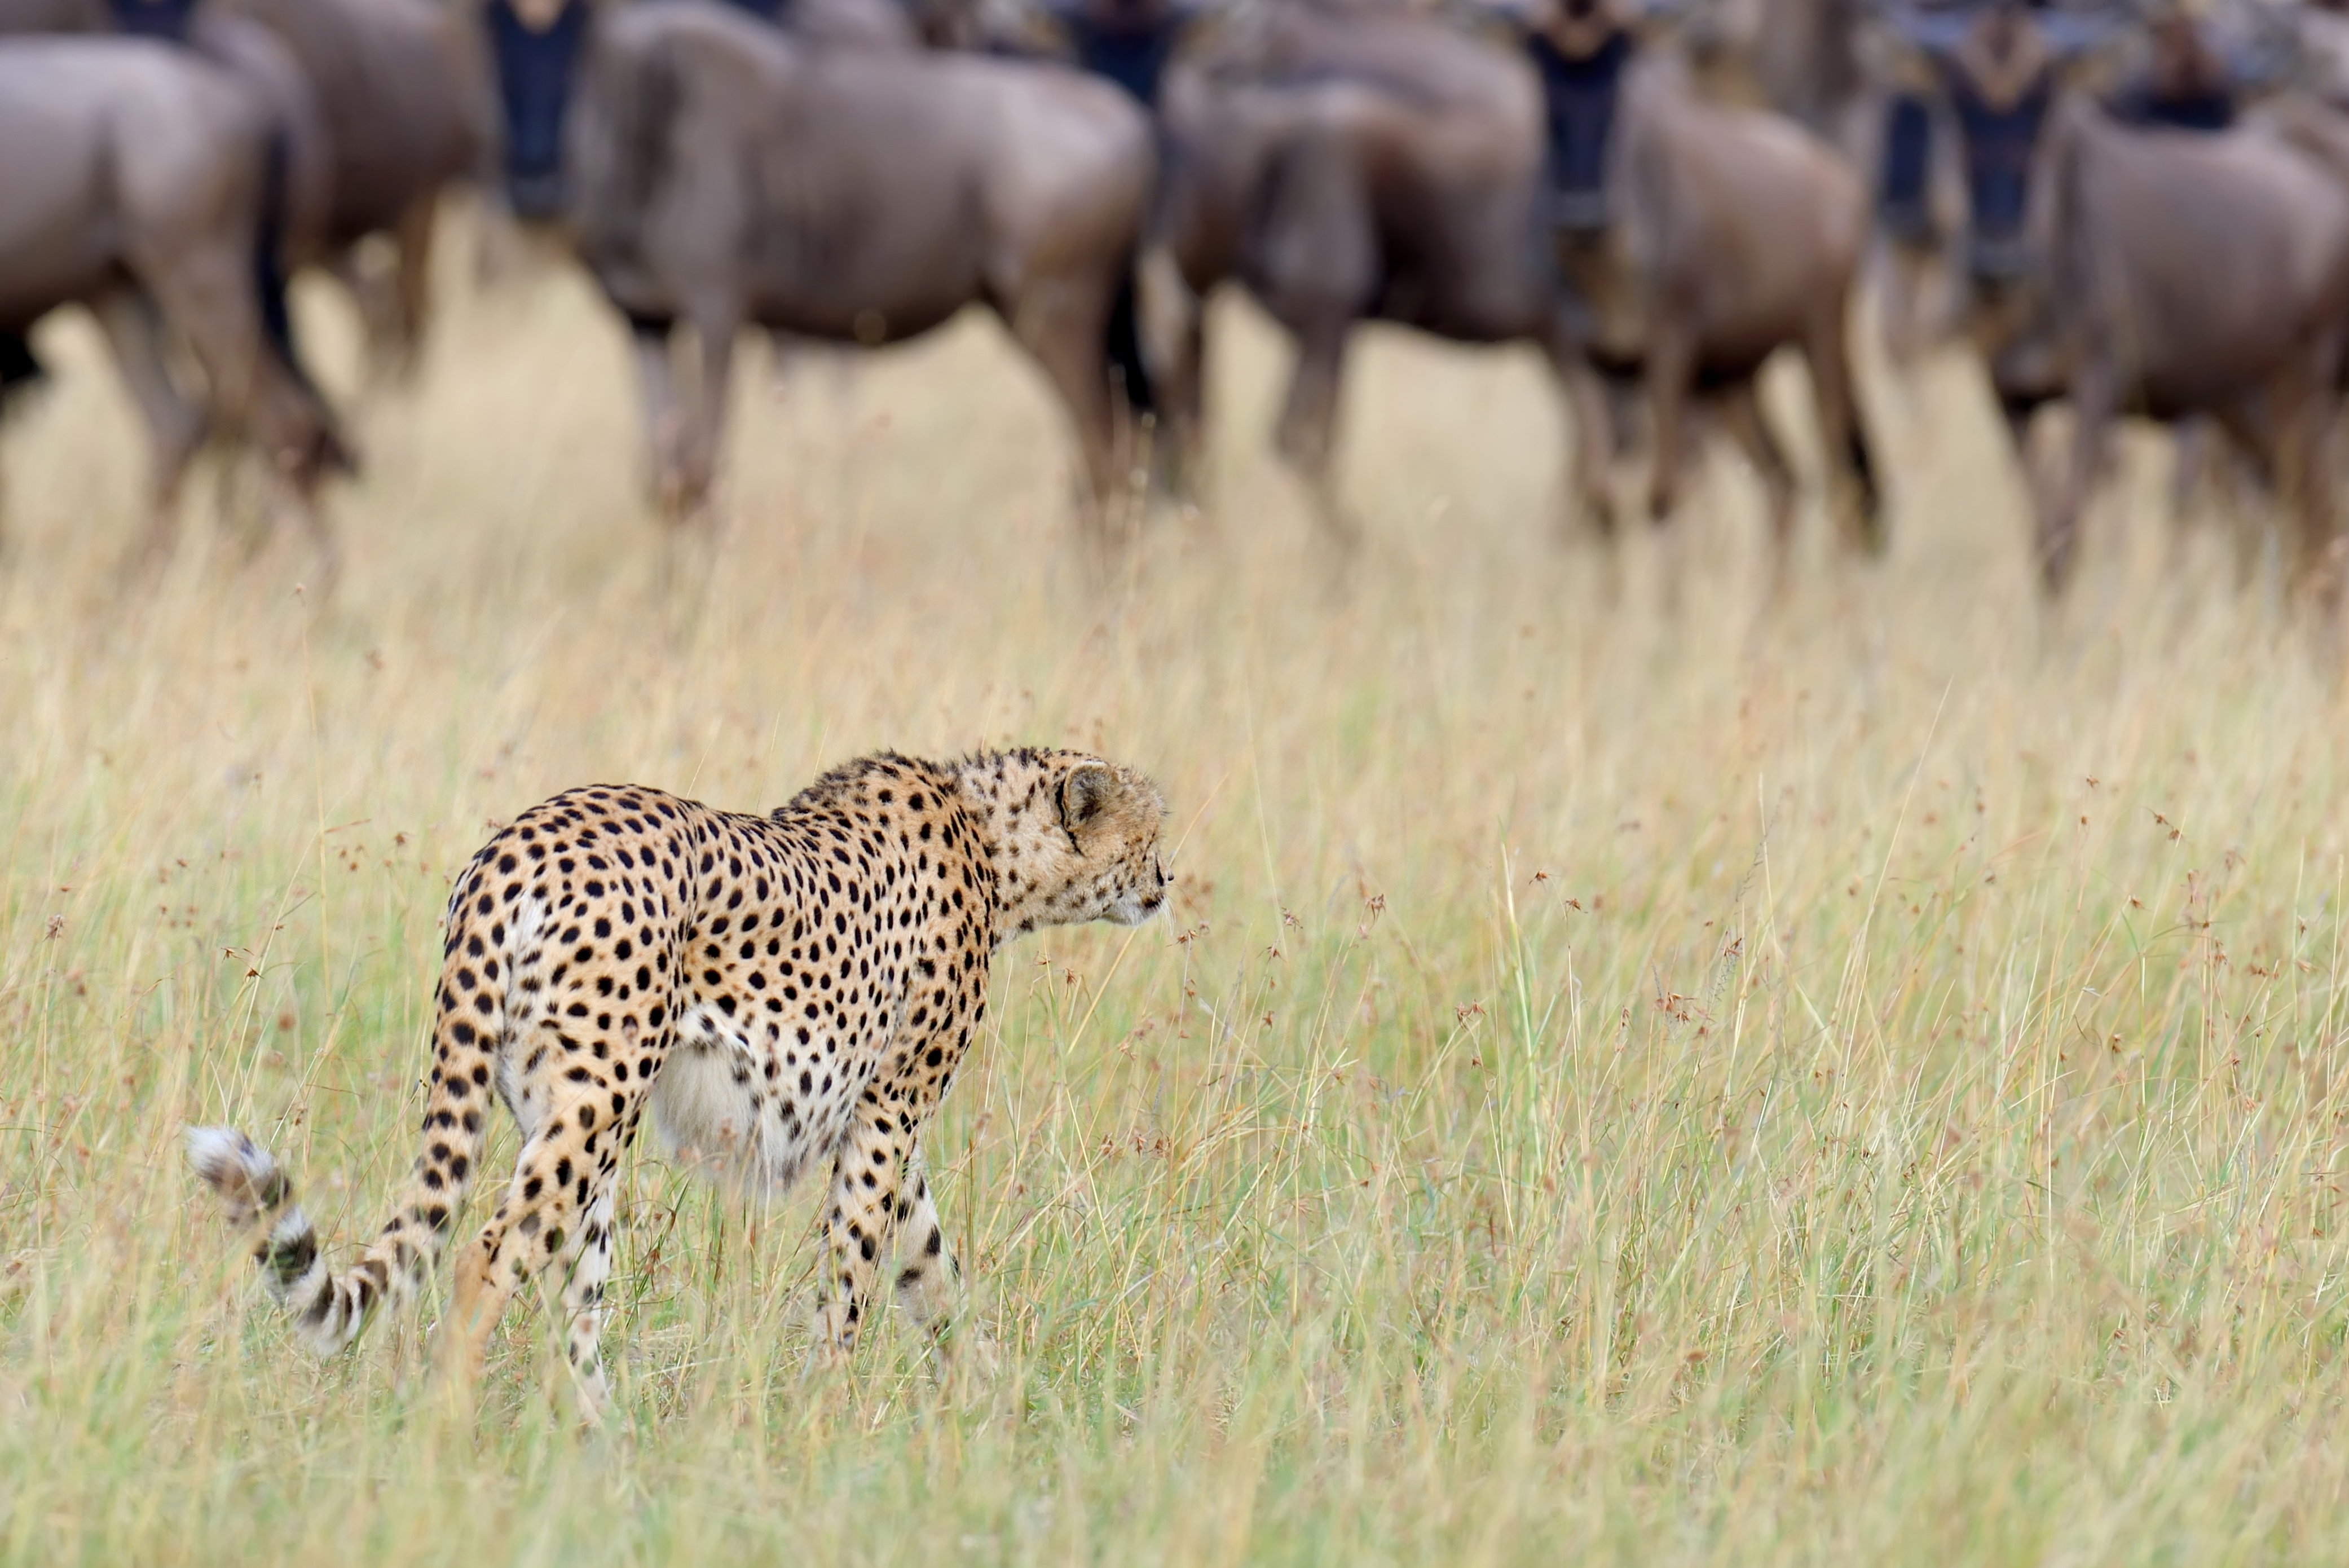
1853, 1085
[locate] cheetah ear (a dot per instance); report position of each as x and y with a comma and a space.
1085, 794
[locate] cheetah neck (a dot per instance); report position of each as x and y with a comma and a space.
1012, 800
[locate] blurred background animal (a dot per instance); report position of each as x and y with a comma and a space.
1659, 200
137, 179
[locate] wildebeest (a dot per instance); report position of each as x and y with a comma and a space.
54, 17
132, 179
1384, 166
404, 99
1953, 216
1803, 57
1130, 43
730, 175
394, 107
1991, 73
1744, 234
2155, 270
2196, 275
537, 49
2320, 40
297, 198
1343, 169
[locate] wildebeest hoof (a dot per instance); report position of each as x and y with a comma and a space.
1872, 536
1594, 521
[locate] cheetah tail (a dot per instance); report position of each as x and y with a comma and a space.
256, 1193
329, 1311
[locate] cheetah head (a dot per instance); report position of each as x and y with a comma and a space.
1079, 843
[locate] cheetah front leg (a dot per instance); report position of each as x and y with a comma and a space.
930, 1282
879, 1183
860, 1220
880, 1196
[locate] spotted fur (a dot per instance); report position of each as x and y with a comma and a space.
777, 990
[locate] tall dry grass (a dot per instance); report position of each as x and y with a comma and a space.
1852, 1084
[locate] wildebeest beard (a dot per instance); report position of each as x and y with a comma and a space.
1133, 53
1580, 95
536, 69
1904, 196
165, 19
1999, 143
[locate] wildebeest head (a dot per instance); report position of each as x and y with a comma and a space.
2001, 68
166, 19
1130, 42
1580, 47
536, 45
2001, 80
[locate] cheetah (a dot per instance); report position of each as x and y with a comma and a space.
777, 990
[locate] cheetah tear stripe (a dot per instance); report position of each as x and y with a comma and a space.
778, 991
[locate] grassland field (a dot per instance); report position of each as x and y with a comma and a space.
1619, 1082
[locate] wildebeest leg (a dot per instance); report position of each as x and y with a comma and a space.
1318, 267
1671, 370
1909, 274
19, 369
1307, 435
704, 423
1671, 365
785, 354
1588, 505
412, 280
2313, 475
2190, 458
1742, 409
1853, 497
1060, 321
500, 246
135, 331
2251, 430
2093, 400
2211, 458
2301, 413
299, 479
237, 504
650, 341
1172, 324
2021, 416
1188, 441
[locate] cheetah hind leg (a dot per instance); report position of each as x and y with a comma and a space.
572, 1288
556, 1215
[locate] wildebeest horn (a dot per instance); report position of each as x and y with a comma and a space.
2067, 31
2084, 31
1937, 29
1511, 13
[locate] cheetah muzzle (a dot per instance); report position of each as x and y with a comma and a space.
777, 990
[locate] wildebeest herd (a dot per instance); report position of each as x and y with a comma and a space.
2124, 211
